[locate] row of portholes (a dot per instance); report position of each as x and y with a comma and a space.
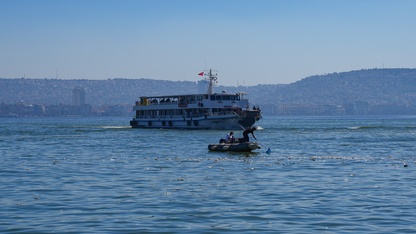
189, 123
164, 123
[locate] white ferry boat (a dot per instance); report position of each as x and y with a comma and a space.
196, 111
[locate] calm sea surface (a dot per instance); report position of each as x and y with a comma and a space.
97, 175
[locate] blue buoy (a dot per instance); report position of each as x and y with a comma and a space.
268, 151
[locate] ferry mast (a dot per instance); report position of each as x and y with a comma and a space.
212, 78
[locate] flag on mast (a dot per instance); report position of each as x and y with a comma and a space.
201, 74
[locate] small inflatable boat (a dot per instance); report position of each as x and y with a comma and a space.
234, 147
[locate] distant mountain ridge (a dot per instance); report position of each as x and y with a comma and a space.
375, 86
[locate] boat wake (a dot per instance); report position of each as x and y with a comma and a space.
116, 127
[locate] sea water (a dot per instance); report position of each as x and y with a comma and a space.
98, 175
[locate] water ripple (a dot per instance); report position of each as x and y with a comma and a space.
97, 175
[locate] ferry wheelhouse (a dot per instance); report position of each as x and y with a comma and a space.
196, 111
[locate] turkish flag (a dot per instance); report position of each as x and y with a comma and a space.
201, 74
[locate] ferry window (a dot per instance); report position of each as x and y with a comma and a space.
205, 96
237, 97
214, 110
219, 98
212, 97
226, 98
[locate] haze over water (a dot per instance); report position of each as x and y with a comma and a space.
97, 175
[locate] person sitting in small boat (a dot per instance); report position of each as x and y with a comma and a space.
246, 132
230, 137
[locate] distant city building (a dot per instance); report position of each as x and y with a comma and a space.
78, 96
355, 107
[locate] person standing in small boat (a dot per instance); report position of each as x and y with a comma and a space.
246, 132
230, 137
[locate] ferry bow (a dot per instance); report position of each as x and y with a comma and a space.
196, 111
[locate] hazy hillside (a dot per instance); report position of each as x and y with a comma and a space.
98, 92
375, 86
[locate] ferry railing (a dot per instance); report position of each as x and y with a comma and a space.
192, 115
224, 113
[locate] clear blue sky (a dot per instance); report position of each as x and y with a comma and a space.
248, 42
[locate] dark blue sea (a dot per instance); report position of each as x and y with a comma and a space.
97, 175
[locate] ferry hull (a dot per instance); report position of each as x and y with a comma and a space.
231, 123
